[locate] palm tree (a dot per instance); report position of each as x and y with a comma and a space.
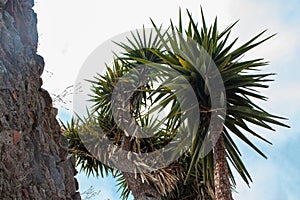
198, 173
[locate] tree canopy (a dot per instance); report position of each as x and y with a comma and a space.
192, 53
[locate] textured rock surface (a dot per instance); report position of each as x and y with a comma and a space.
33, 153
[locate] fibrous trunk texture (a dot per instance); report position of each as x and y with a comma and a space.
141, 190
33, 153
221, 171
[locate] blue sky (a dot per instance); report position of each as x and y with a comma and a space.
69, 30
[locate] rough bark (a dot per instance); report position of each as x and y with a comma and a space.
33, 153
140, 190
221, 172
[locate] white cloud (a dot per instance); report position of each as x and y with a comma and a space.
256, 16
80, 27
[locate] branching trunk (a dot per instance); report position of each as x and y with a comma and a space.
141, 190
221, 172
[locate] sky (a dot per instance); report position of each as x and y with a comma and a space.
69, 30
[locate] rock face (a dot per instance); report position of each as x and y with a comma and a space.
33, 153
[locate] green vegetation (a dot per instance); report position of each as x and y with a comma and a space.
191, 176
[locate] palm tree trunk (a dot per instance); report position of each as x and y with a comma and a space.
221, 171
140, 190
